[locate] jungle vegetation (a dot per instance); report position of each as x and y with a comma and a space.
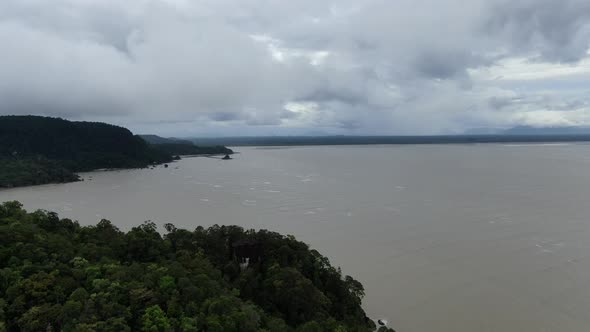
57, 275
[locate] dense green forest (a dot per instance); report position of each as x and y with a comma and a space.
79, 146
16, 172
37, 150
57, 275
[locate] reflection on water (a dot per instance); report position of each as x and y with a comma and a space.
444, 238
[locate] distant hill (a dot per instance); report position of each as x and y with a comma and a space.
37, 150
82, 146
181, 147
155, 139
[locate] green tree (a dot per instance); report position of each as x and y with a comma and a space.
56, 273
155, 320
188, 324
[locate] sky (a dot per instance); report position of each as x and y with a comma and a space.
306, 67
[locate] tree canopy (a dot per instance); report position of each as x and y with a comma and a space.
80, 146
58, 275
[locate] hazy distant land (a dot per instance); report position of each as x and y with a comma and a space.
366, 140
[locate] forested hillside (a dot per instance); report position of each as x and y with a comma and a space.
57, 275
181, 147
79, 146
37, 150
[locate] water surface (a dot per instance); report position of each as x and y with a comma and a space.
456, 238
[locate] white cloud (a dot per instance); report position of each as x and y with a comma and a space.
523, 69
334, 66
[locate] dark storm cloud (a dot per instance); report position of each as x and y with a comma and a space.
444, 65
223, 116
500, 102
344, 96
376, 66
557, 30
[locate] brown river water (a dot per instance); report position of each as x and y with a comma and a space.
457, 238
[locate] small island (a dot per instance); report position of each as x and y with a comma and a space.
60, 276
38, 150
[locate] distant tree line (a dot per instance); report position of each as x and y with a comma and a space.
175, 146
56, 275
181, 149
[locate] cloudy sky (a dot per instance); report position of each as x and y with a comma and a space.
270, 67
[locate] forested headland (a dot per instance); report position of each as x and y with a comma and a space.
38, 150
58, 275
181, 147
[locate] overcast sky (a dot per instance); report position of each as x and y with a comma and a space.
269, 67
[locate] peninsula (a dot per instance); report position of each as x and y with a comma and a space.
38, 150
